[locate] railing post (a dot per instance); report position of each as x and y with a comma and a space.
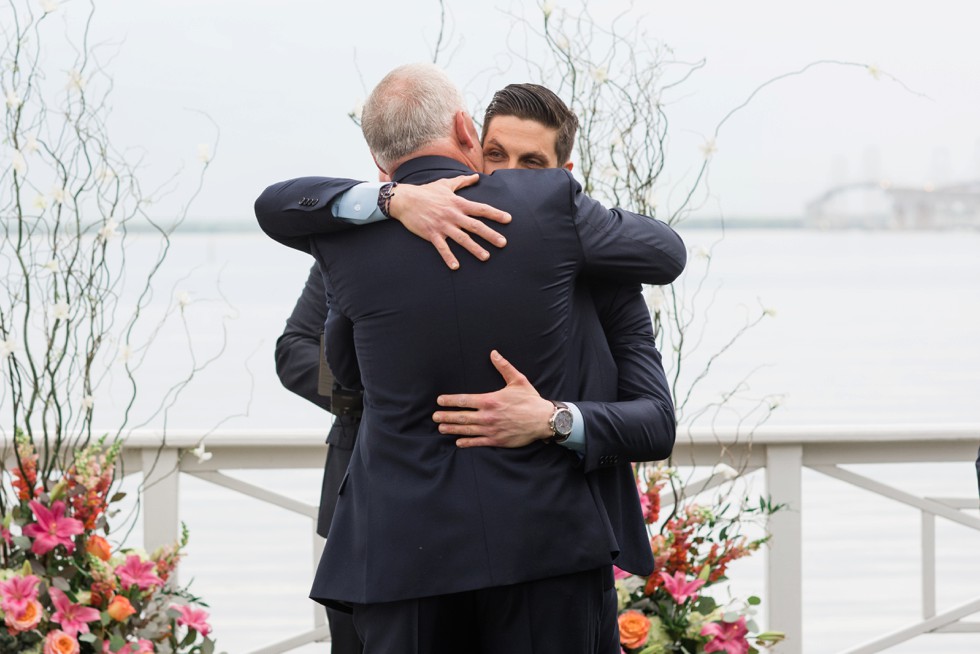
928, 565
161, 493
784, 570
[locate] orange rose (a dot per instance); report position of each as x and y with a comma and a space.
634, 628
98, 547
26, 619
58, 642
120, 608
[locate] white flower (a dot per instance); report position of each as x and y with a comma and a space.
49, 5
7, 348
41, 202
75, 81
609, 173
874, 71
656, 300
125, 352
31, 146
562, 43
105, 174
548, 7
599, 74
108, 230
13, 100
204, 152
58, 195
201, 454
708, 149
183, 298
356, 112
775, 401
52, 266
19, 163
60, 310
769, 312
88, 402
724, 470
700, 252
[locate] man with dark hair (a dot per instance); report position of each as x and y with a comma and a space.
538, 104
527, 126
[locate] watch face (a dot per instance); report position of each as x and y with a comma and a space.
563, 422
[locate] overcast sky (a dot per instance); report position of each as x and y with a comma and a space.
279, 77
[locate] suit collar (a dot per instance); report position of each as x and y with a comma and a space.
430, 167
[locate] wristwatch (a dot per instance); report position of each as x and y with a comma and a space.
560, 422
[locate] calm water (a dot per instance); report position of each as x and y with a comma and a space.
868, 328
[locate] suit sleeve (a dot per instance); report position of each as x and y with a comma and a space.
640, 425
298, 348
292, 211
623, 246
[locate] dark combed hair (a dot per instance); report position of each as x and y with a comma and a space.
540, 104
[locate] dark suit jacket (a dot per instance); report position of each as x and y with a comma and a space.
419, 516
297, 364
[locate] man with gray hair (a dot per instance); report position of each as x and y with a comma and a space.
440, 548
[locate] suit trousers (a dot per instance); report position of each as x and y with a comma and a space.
557, 615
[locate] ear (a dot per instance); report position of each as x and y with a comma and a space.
569, 165
465, 131
383, 175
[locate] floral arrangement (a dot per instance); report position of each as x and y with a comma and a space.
62, 588
669, 610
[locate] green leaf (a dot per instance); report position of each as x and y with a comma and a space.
207, 647
87, 638
118, 496
754, 601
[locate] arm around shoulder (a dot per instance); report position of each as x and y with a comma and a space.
626, 246
292, 211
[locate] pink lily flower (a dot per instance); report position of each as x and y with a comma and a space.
727, 637
73, 618
143, 646
136, 572
52, 528
679, 588
619, 573
17, 592
192, 618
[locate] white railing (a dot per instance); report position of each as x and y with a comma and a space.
783, 452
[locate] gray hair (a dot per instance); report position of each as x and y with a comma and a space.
410, 108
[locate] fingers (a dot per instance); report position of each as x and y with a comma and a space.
480, 210
478, 228
483, 441
447, 255
463, 181
510, 374
469, 244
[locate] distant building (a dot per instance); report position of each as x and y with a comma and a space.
879, 205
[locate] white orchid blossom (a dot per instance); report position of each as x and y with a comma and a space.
60, 310
708, 149
724, 471
201, 454
108, 230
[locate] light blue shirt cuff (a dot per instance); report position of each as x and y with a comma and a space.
576, 440
359, 204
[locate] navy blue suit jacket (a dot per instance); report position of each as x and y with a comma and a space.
418, 516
